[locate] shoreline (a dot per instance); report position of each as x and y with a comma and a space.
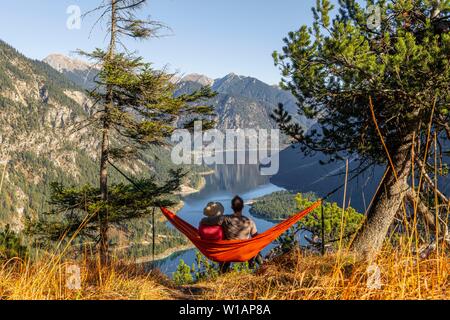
169, 252
207, 173
164, 255
187, 190
266, 218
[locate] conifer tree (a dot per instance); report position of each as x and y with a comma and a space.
11, 245
400, 60
134, 107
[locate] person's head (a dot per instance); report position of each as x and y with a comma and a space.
214, 209
237, 204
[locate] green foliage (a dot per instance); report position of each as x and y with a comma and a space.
281, 205
334, 215
75, 210
11, 245
202, 270
276, 206
139, 101
334, 68
243, 267
287, 241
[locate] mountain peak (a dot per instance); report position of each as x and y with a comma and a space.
78, 71
61, 63
233, 75
198, 78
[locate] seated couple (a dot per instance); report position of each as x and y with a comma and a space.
217, 226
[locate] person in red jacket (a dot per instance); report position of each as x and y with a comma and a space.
208, 231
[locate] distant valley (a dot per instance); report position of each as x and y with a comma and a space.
39, 107
40, 101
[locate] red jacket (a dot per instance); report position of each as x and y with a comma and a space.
212, 233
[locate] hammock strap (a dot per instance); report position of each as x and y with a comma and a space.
191, 232
235, 250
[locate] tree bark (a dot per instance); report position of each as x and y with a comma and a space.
388, 201
103, 215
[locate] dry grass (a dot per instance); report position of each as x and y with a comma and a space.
295, 276
48, 281
300, 277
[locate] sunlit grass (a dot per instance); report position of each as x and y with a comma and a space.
294, 276
304, 277
48, 280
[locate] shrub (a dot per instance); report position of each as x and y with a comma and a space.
11, 245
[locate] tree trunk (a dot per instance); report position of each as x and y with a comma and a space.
103, 215
388, 201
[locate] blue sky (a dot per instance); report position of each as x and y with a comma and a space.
211, 37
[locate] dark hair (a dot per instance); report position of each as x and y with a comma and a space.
237, 204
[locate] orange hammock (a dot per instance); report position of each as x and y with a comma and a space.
235, 250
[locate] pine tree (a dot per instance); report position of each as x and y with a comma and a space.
135, 108
401, 63
11, 245
183, 275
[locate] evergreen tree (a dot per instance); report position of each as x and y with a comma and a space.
11, 245
401, 62
135, 108
183, 275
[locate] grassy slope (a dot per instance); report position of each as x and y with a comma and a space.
293, 277
297, 277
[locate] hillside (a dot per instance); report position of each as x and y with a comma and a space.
38, 106
79, 72
38, 109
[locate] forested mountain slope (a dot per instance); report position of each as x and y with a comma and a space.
38, 109
241, 102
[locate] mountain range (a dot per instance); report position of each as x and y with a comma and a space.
241, 101
79, 72
39, 107
40, 101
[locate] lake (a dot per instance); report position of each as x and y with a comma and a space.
226, 182
297, 173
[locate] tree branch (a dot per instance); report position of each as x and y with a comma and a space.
430, 181
415, 201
